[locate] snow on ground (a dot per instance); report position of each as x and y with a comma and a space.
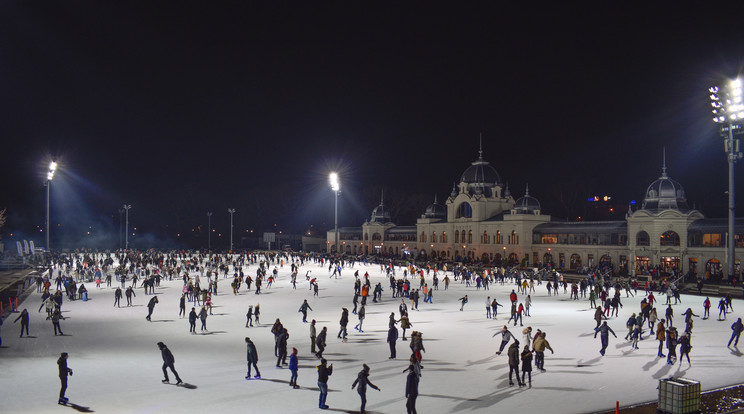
117, 365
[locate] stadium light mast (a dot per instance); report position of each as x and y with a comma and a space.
728, 111
50, 176
335, 186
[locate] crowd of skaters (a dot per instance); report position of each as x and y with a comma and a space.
149, 269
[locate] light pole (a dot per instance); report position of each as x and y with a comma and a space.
126, 229
209, 230
231, 211
50, 176
335, 186
121, 222
728, 110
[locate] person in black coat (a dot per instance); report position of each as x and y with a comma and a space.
282, 346
361, 383
513, 354
527, 364
324, 371
182, 306
192, 321
168, 361
151, 307
24, 321
343, 322
412, 383
64, 371
391, 338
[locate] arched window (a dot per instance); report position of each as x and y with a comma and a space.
366, 236
423, 237
434, 237
444, 237
376, 236
462, 236
669, 238
485, 237
642, 239
498, 237
464, 210
457, 236
513, 238
470, 236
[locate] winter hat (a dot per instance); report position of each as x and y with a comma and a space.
294, 351
64, 354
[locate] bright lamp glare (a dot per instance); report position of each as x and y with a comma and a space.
713, 89
52, 166
736, 83
333, 178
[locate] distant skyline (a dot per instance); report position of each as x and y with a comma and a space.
183, 108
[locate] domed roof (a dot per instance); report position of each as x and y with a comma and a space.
380, 214
435, 210
527, 204
480, 172
665, 194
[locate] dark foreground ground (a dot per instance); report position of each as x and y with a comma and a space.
725, 400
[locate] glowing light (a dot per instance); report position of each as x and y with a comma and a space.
335, 185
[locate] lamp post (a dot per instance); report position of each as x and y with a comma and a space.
50, 176
231, 211
209, 230
335, 186
121, 223
728, 110
126, 208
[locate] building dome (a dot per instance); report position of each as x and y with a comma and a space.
665, 194
481, 178
435, 210
527, 204
380, 214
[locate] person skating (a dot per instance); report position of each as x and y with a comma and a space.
671, 342
203, 317
506, 336
192, 321
293, 367
684, 348
282, 358
313, 336
598, 316
513, 354
64, 371
412, 383
320, 342
463, 300
392, 337
168, 362
24, 318
736, 330
277, 330
117, 297
661, 337
182, 306
361, 316
129, 294
706, 308
539, 345
722, 309
251, 358
56, 316
405, 324
361, 383
151, 307
303, 308
324, 371
526, 357
604, 330
249, 317
343, 323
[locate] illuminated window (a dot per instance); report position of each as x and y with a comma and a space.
669, 238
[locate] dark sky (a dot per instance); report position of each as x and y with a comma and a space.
180, 108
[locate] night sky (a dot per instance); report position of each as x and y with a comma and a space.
180, 108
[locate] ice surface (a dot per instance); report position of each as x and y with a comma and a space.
117, 365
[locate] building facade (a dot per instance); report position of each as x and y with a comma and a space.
481, 221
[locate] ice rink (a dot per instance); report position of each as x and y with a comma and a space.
117, 365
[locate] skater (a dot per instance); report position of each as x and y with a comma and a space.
671, 342
463, 300
506, 336
251, 358
412, 382
64, 371
361, 315
129, 294
192, 320
684, 348
293, 367
313, 336
391, 338
598, 316
736, 329
405, 324
24, 321
488, 307
323, 373
706, 308
182, 306
151, 307
117, 297
168, 361
661, 337
669, 313
303, 308
605, 330
527, 364
343, 323
249, 317
282, 358
56, 316
722, 309
203, 317
361, 383
513, 354
277, 330
321, 342
539, 345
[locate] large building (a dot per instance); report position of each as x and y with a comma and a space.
481, 221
